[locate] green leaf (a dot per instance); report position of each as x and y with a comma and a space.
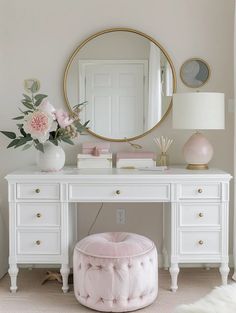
37, 103
80, 128
27, 101
40, 96
35, 87
79, 105
27, 146
54, 141
85, 124
18, 118
67, 140
25, 112
13, 143
19, 125
10, 135
39, 146
27, 97
23, 132
22, 141
28, 105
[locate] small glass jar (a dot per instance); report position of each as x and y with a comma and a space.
163, 159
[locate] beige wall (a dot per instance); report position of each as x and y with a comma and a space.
37, 37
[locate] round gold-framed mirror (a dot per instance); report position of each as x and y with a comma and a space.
127, 80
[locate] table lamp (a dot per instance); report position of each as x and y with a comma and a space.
198, 110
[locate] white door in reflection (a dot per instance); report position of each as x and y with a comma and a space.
116, 92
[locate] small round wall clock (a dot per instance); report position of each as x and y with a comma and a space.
194, 72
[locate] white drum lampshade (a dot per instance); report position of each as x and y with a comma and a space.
198, 110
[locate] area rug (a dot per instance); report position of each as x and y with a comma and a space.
220, 300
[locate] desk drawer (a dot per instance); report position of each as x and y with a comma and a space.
38, 191
38, 242
119, 192
38, 214
199, 214
200, 242
200, 191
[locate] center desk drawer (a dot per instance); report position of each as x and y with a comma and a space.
200, 191
119, 192
38, 191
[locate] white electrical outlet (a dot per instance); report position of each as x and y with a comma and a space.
120, 216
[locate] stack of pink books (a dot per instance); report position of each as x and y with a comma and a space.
141, 159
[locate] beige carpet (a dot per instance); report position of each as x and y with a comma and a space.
32, 297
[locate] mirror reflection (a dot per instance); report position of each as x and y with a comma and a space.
127, 81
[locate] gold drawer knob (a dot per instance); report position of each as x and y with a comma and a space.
118, 192
200, 190
200, 214
37, 190
39, 215
200, 242
38, 242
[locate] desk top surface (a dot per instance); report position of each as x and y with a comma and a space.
70, 171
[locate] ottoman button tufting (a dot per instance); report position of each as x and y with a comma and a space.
115, 254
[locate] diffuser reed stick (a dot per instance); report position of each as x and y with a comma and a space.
164, 144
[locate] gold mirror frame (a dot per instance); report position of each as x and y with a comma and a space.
110, 31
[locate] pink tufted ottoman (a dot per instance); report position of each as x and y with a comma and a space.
115, 272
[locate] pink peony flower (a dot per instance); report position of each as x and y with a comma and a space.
47, 107
38, 124
63, 118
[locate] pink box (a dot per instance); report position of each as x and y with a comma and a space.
88, 147
135, 155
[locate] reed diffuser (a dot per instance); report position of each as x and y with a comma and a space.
164, 144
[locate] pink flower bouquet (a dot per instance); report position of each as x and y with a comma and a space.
41, 122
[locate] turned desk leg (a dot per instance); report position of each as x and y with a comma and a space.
174, 271
65, 270
224, 271
13, 272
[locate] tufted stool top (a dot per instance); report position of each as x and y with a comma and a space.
114, 245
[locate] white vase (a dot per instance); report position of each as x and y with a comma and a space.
52, 159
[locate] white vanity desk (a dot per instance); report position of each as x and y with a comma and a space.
42, 208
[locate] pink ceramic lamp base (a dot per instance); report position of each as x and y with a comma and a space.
197, 152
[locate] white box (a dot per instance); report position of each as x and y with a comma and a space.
135, 163
90, 161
